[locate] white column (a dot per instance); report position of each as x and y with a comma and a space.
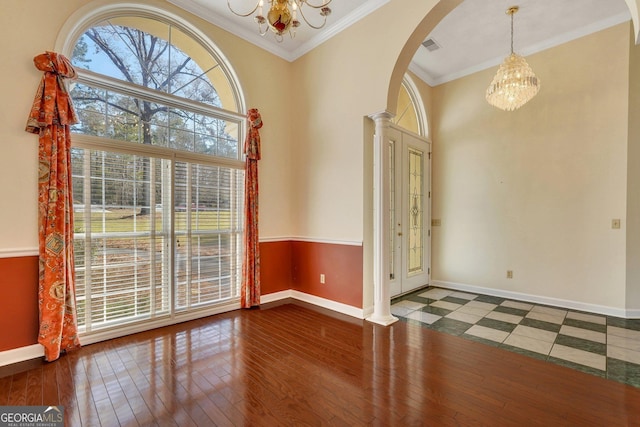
381, 297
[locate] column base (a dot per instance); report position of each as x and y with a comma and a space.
382, 320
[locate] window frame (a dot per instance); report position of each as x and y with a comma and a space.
74, 28
91, 15
418, 106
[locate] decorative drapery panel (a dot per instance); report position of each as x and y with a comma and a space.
51, 116
250, 293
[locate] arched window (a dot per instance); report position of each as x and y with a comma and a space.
157, 171
410, 113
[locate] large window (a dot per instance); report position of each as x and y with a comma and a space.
157, 174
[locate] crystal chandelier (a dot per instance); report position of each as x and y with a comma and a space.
515, 83
282, 16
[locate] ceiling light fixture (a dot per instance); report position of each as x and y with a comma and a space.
282, 16
515, 83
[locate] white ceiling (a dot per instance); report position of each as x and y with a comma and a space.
476, 35
343, 14
472, 37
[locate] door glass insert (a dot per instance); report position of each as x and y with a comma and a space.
392, 208
415, 211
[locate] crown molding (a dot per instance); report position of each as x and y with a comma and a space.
421, 74
217, 20
340, 25
278, 49
538, 47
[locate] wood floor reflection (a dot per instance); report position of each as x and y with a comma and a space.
292, 364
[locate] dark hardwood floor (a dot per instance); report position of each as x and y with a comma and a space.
292, 364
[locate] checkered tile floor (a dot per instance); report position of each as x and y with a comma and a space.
601, 345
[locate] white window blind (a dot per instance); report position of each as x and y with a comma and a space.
157, 176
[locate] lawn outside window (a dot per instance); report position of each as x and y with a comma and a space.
158, 175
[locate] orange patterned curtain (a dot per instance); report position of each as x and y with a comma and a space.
51, 115
251, 261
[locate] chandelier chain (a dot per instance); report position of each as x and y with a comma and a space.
512, 32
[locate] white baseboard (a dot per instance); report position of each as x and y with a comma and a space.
633, 313
276, 296
338, 307
34, 351
16, 355
367, 312
556, 302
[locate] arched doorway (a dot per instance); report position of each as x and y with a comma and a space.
422, 30
409, 204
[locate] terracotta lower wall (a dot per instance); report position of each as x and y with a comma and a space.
297, 265
340, 264
18, 302
284, 265
275, 267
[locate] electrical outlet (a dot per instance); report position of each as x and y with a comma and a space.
322, 279
509, 274
615, 224
435, 223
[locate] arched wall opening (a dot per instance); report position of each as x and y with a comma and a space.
432, 18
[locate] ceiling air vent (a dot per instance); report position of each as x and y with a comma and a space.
431, 45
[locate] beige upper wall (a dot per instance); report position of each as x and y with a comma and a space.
344, 80
26, 34
313, 167
313, 163
633, 181
535, 190
19, 79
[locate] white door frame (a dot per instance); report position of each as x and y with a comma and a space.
403, 281
381, 217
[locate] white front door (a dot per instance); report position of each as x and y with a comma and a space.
410, 240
